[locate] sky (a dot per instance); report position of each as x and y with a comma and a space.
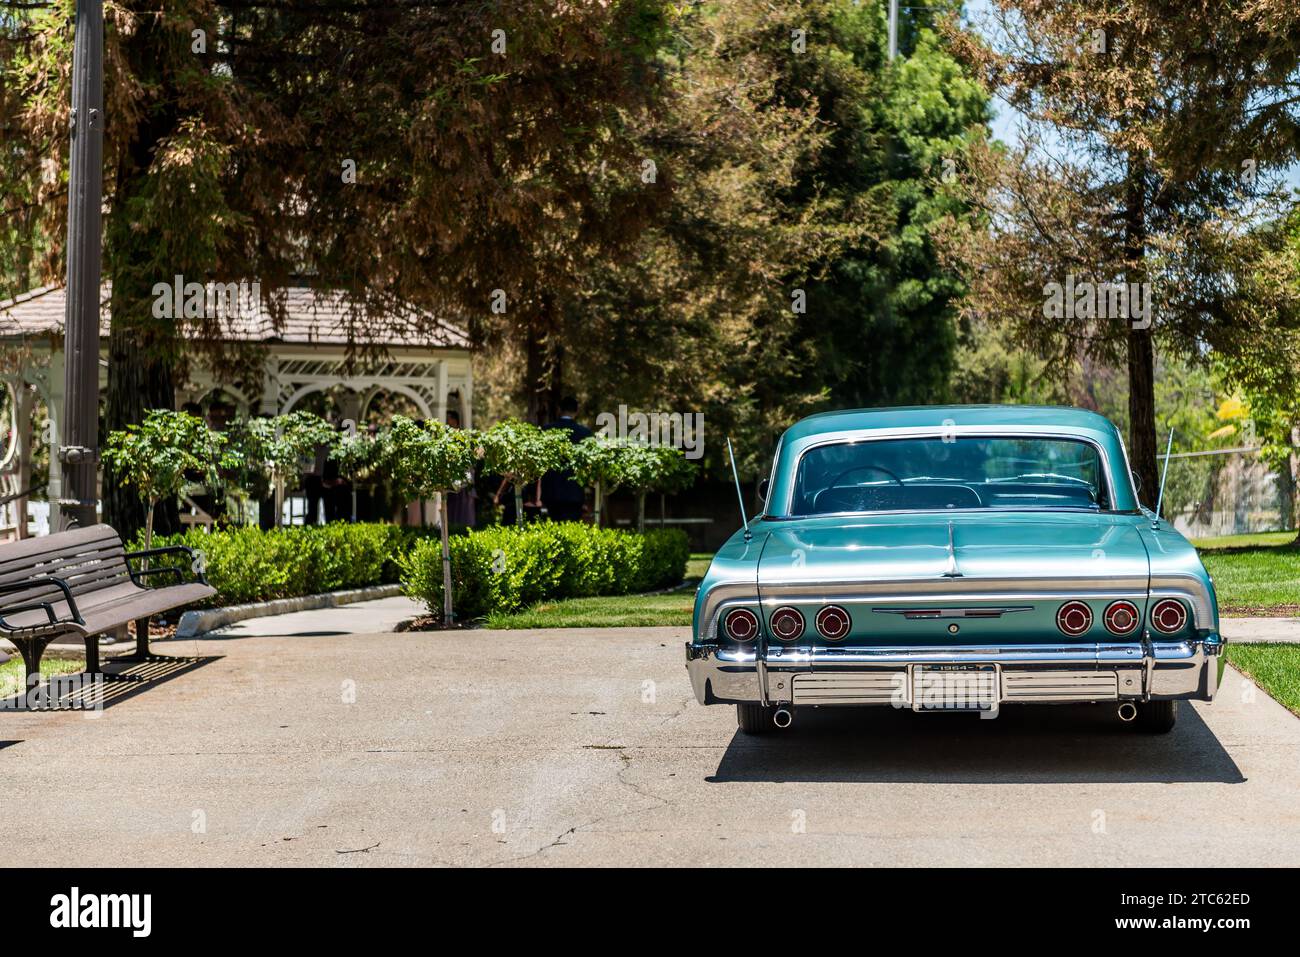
1007, 120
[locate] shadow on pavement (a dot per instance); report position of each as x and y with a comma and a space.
1060, 744
233, 635
123, 679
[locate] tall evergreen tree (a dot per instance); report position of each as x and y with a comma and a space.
794, 264
1166, 132
431, 152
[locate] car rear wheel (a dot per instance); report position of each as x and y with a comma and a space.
754, 718
1157, 717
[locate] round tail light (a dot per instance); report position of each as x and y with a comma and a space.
1074, 618
741, 624
833, 623
1122, 618
787, 624
1168, 616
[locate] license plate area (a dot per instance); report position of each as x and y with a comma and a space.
956, 687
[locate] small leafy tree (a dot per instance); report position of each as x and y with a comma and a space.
428, 460
276, 446
599, 464
157, 456
358, 455
650, 468
522, 453
676, 473
640, 472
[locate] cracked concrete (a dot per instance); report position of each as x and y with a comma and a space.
584, 746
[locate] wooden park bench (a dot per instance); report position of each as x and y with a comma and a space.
84, 582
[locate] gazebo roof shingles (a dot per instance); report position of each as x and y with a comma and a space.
312, 317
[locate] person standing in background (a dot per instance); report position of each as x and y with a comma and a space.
557, 490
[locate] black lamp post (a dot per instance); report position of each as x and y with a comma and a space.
79, 446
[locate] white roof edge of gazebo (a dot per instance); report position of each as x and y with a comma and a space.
312, 317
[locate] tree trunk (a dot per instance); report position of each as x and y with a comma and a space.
142, 350
640, 511
544, 367
1141, 342
595, 516
519, 503
1142, 414
447, 616
137, 382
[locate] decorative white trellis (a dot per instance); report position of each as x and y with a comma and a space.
307, 353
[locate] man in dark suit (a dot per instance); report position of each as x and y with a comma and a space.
562, 496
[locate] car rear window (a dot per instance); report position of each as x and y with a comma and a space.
950, 473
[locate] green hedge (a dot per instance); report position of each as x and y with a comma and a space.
507, 569
248, 564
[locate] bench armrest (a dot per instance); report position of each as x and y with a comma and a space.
137, 575
45, 606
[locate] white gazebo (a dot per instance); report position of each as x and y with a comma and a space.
314, 348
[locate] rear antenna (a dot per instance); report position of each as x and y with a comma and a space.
739, 495
1164, 474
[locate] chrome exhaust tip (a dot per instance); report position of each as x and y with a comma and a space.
1127, 711
782, 717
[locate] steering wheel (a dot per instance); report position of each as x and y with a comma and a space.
835, 483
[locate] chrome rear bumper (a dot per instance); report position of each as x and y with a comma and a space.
897, 676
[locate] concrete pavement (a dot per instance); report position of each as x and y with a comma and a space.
1269, 630
366, 617
583, 746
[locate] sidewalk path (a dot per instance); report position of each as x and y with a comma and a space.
363, 617
1271, 630
585, 746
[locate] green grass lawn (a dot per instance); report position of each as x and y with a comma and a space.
668, 608
1256, 579
13, 675
1245, 541
1275, 668
671, 608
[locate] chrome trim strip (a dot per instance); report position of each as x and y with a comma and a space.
1191, 589
744, 594
1169, 670
951, 570
916, 590
878, 687
1059, 685
1090, 652
992, 611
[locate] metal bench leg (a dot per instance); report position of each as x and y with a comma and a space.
31, 649
142, 638
92, 655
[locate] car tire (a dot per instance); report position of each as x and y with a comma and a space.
1157, 717
754, 718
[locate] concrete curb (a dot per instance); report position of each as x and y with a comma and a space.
196, 623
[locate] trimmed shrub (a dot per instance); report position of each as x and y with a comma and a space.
247, 564
508, 568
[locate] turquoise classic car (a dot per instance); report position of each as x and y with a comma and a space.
954, 558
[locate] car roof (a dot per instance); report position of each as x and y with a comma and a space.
937, 416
